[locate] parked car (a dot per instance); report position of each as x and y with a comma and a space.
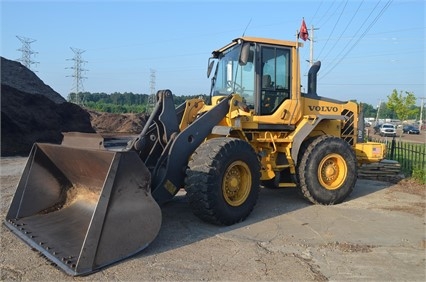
387, 129
410, 129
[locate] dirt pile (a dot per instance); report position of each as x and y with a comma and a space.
32, 112
117, 123
29, 118
17, 76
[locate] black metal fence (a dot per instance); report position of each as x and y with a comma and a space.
411, 156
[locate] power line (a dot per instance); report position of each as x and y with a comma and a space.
77, 75
362, 35
340, 36
316, 12
26, 52
334, 27
326, 13
354, 36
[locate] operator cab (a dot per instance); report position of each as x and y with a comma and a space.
259, 71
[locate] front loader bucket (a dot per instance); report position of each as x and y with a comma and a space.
84, 208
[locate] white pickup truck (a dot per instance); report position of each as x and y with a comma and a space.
387, 129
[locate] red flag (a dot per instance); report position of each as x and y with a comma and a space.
303, 33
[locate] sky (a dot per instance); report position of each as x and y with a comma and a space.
366, 48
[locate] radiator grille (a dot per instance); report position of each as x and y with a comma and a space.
348, 129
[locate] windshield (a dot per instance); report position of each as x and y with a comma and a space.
231, 77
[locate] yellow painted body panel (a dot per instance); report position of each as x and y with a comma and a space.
273, 136
271, 144
370, 152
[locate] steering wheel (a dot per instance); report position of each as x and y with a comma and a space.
235, 86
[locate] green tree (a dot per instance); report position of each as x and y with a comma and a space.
402, 103
384, 111
368, 110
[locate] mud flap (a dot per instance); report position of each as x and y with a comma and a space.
84, 209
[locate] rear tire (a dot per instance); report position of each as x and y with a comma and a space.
223, 181
327, 171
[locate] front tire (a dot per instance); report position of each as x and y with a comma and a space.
327, 171
223, 180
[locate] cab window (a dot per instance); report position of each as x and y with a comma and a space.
233, 77
275, 84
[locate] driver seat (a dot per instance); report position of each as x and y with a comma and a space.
268, 95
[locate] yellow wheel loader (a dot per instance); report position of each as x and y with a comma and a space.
85, 206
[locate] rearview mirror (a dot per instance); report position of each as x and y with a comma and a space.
210, 67
244, 54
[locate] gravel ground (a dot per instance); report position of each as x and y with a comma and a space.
377, 234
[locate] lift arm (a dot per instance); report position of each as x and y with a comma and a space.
165, 149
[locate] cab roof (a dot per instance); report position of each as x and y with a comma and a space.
285, 43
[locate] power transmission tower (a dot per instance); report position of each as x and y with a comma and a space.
78, 76
151, 98
26, 51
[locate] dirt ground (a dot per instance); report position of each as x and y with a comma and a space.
378, 234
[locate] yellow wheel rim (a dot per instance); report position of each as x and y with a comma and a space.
236, 183
332, 171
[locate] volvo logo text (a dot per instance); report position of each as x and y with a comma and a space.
323, 109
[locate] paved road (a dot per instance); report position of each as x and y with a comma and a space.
378, 234
410, 138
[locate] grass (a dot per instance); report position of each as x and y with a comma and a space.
419, 175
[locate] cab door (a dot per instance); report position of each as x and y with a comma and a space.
278, 99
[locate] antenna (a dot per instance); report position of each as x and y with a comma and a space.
27, 52
246, 27
78, 77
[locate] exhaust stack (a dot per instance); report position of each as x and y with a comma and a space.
312, 78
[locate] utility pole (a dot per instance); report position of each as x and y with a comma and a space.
311, 45
26, 51
377, 115
421, 112
77, 75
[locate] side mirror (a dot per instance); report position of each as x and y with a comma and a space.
210, 67
244, 54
